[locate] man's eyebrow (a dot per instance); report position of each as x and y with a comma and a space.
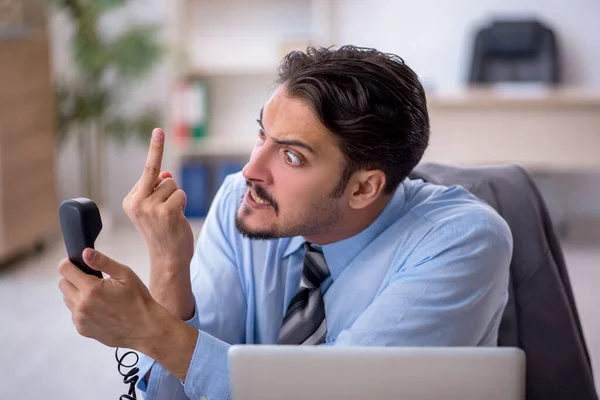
296, 143
260, 118
292, 142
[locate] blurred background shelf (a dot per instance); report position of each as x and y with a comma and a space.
555, 129
240, 36
511, 96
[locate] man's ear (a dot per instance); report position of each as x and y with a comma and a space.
367, 186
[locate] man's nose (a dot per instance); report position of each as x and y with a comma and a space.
257, 169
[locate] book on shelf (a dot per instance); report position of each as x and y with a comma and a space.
201, 180
190, 112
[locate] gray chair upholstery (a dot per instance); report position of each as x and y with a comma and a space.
541, 316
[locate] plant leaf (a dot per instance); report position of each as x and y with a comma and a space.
77, 104
64, 117
101, 6
135, 52
96, 6
103, 67
138, 127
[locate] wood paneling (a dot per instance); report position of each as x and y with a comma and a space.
25, 64
22, 118
28, 200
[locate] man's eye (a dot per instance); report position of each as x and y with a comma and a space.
261, 135
292, 159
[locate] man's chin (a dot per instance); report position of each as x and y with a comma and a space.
253, 233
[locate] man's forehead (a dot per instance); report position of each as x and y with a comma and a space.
291, 118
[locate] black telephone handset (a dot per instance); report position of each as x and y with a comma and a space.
81, 224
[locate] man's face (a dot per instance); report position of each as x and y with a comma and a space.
291, 176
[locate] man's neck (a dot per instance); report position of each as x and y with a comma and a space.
352, 223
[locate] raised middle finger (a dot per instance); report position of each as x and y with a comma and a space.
153, 164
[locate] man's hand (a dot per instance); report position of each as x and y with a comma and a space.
119, 311
155, 205
157, 210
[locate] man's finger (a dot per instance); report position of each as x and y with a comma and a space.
163, 175
166, 174
69, 291
164, 190
134, 189
177, 199
75, 276
153, 163
103, 263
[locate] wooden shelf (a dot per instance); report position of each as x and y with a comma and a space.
557, 129
493, 97
245, 38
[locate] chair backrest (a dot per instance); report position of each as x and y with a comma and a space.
541, 317
514, 51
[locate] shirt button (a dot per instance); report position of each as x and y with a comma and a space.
203, 397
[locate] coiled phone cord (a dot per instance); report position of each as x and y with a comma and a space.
129, 377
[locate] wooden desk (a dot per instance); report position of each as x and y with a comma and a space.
557, 129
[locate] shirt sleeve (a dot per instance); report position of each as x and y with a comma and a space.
451, 291
220, 314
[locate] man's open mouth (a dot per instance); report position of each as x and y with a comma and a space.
257, 198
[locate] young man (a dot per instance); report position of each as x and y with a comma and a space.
321, 239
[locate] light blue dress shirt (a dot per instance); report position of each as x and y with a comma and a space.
431, 270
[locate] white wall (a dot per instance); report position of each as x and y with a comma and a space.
434, 36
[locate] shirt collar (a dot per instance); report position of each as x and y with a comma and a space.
339, 254
293, 245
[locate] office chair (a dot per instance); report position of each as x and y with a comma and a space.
541, 316
514, 51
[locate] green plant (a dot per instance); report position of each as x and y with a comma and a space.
90, 99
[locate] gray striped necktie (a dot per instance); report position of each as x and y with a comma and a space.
304, 321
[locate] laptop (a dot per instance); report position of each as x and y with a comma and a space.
264, 372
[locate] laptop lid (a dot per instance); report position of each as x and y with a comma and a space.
263, 372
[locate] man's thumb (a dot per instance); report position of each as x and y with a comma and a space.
102, 263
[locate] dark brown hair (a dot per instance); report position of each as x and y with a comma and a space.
371, 101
